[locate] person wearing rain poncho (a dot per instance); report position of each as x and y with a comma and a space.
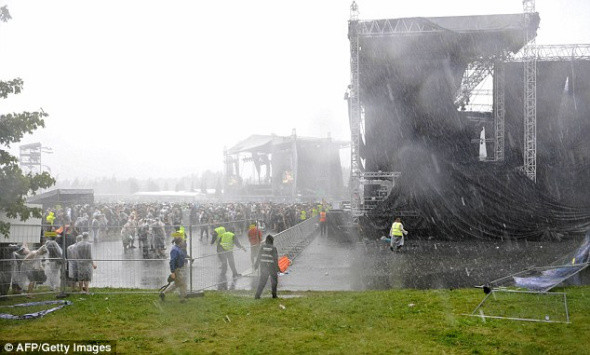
33, 267
128, 234
96, 225
72, 256
85, 263
19, 278
159, 237
397, 234
54, 262
143, 236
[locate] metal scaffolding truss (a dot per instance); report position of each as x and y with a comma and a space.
557, 52
529, 56
475, 73
384, 183
560, 52
354, 106
499, 111
530, 95
380, 175
382, 28
563, 52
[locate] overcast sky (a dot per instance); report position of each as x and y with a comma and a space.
141, 88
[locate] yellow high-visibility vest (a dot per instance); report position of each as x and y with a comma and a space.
227, 241
396, 229
219, 231
50, 218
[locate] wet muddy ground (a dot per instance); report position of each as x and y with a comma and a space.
443, 264
331, 265
327, 264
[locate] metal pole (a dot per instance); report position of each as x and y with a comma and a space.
63, 278
190, 270
567, 313
530, 95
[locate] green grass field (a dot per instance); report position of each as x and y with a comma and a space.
370, 322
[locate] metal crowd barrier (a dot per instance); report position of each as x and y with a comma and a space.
289, 241
125, 271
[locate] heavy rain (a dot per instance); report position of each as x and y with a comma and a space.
208, 147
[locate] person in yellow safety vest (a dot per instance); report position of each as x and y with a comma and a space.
314, 212
225, 251
181, 234
397, 234
50, 218
217, 232
303, 215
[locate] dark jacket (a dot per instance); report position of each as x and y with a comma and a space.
268, 258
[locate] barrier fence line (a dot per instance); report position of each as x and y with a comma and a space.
127, 270
288, 240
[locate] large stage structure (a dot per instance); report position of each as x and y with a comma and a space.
413, 133
284, 169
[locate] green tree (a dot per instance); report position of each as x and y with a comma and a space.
14, 185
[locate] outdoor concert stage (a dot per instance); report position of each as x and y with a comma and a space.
284, 169
409, 73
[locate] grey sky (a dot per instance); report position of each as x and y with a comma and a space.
157, 89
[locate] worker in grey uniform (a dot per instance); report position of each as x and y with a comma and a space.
268, 260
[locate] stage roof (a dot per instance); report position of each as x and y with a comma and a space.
459, 24
478, 23
474, 35
258, 142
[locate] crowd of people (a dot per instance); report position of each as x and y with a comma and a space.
69, 231
109, 218
44, 265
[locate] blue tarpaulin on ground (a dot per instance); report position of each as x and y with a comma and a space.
60, 304
549, 278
